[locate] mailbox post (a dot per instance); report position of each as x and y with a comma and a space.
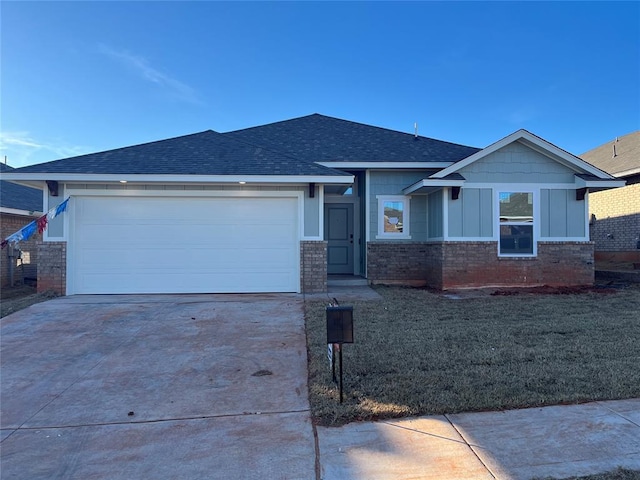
339, 331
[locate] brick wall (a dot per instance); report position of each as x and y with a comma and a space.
52, 267
10, 224
313, 271
617, 213
403, 263
476, 264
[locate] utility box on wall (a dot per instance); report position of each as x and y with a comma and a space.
339, 324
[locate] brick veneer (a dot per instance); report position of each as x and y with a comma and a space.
10, 224
403, 263
476, 264
52, 267
448, 265
313, 271
617, 218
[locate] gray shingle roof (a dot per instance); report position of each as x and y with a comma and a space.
18, 196
318, 138
627, 154
204, 153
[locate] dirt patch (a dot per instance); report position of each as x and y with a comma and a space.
549, 290
17, 298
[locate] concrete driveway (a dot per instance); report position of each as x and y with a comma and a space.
162, 386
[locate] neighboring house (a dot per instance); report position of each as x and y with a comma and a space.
615, 214
279, 207
19, 206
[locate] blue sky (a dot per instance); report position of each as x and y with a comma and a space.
81, 77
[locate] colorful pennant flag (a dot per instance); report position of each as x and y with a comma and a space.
39, 224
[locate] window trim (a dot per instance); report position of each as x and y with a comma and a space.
406, 217
534, 224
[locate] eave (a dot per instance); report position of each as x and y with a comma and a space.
385, 165
20, 212
429, 185
27, 178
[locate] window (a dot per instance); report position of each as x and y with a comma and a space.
516, 223
393, 217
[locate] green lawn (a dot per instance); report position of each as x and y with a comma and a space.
418, 352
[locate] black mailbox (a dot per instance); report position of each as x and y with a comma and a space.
339, 324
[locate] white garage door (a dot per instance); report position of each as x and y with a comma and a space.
184, 245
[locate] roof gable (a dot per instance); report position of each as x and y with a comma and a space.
319, 138
534, 142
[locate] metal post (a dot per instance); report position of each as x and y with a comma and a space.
340, 373
333, 365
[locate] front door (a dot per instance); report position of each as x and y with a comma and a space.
338, 231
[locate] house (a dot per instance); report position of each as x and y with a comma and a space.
279, 207
615, 214
19, 206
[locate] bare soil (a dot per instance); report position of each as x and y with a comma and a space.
13, 299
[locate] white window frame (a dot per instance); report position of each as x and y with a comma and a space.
534, 224
406, 217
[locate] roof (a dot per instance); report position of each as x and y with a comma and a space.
204, 153
318, 138
620, 157
18, 197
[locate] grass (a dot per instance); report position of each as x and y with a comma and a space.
418, 352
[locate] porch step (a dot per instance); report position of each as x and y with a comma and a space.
346, 281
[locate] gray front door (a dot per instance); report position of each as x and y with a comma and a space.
338, 231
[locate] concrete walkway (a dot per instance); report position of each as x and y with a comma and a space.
215, 387
558, 441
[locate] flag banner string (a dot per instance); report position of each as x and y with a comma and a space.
39, 225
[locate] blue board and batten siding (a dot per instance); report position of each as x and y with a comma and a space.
561, 215
471, 214
435, 217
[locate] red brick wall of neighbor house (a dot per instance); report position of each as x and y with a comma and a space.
617, 219
476, 264
10, 224
313, 271
52, 267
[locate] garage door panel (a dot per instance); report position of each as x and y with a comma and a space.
185, 245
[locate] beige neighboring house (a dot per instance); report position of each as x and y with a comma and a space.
615, 214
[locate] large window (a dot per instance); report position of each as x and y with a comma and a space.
516, 223
393, 216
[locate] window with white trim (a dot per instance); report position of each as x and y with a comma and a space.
516, 223
393, 216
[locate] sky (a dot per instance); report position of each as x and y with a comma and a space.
82, 77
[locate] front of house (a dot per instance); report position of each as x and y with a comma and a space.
279, 207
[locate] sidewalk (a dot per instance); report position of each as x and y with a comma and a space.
556, 441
